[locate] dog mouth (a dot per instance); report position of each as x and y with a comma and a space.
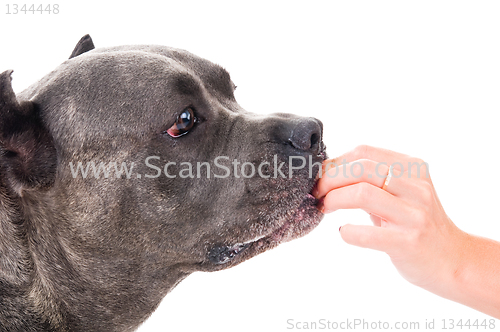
301, 221
290, 220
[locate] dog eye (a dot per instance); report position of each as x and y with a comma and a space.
185, 121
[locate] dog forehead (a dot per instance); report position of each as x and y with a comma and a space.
128, 67
111, 91
213, 76
120, 90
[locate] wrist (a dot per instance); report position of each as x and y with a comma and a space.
452, 266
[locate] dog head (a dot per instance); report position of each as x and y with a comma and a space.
194, 182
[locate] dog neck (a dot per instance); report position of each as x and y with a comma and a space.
48, 284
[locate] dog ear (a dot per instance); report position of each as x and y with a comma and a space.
27, 153
84, 45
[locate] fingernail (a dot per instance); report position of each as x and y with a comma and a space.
321, 205
340, 228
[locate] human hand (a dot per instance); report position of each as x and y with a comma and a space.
411, 226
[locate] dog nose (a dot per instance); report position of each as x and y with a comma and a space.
306, 135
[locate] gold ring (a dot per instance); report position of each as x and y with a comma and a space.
387, 179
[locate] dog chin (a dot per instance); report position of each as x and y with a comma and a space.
299, 222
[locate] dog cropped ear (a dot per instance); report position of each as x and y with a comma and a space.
27, 153
84, 45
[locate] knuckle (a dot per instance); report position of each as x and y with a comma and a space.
426, 192
362, 193
413, 240
418, 168
414, 160
367, 164
357, 169
420, 216
362, 151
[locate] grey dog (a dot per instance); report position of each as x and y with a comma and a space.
98, 253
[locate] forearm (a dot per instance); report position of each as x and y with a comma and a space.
474, 279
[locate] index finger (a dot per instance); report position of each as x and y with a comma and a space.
368, 152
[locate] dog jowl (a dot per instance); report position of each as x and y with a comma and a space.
212, 185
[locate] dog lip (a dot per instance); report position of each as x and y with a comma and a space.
278, 235
255, 239
223, 254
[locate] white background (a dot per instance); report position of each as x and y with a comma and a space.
419, 77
